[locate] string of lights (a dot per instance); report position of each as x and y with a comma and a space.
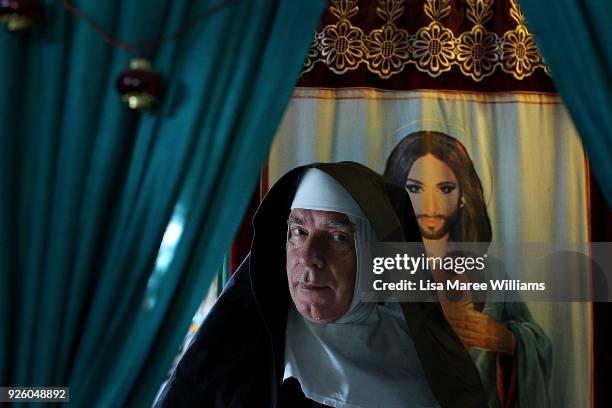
140, 87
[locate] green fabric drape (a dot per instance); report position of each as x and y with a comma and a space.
574, 36
223, 274
87, 188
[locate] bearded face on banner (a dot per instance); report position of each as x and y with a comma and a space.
445, 190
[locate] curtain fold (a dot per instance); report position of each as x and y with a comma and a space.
114, 223
223, 274
576, 48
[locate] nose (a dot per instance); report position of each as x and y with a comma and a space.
430, 204
313, 252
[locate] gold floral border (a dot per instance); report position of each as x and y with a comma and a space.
433, 49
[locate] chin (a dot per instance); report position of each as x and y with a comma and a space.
320, 320
433, 235
316, 314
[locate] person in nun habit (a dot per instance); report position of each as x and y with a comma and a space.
289, 329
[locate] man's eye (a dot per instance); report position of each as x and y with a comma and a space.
340, 237
414, 188
296, 232
447, 188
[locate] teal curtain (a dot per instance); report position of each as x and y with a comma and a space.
223, 274
114, 223
574, 38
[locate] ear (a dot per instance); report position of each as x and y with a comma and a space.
461, 202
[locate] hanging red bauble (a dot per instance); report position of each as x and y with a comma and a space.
19, 15
139, 86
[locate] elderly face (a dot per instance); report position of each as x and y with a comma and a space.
434, 192
321, 263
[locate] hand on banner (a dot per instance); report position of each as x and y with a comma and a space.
479, 330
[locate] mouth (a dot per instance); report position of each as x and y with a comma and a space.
431, 222
309, 287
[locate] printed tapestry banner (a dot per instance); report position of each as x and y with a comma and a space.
494, 168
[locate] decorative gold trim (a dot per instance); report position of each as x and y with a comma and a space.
342, 46
389, 48
313, 55
523, 97
433, 49
520, 55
